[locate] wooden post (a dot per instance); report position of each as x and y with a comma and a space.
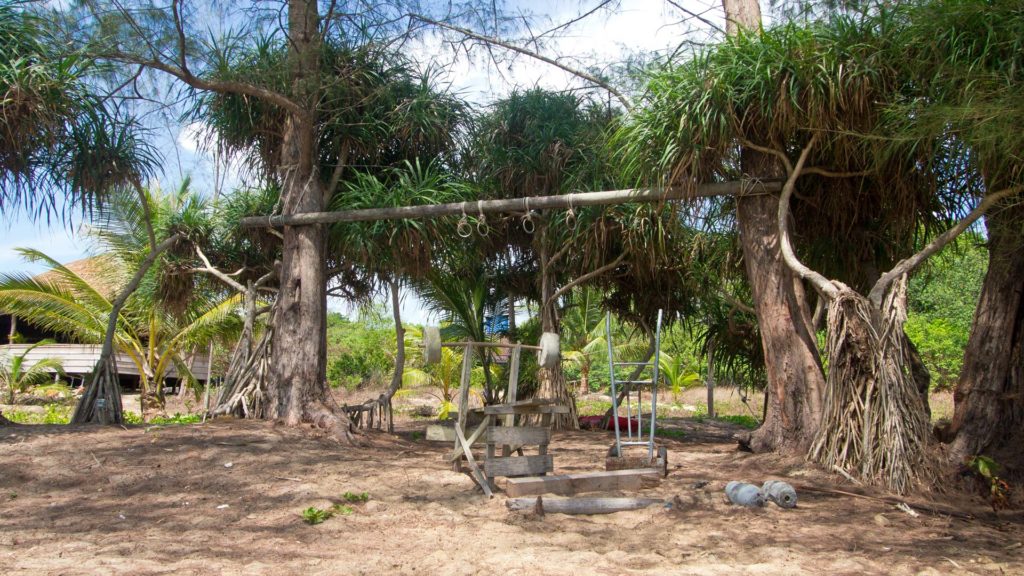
467, 370
711, 378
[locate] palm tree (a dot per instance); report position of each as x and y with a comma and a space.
152, 339
17, 378
159, 324
677, 375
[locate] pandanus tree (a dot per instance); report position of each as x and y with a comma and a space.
63, 146
364, 109
538, 143
812, 100
155, 332
968, 56
392, 252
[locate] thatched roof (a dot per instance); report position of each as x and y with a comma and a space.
102, 272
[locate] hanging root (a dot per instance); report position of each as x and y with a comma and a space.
245, 383
101, 402
874, 423
334, 420
378, 413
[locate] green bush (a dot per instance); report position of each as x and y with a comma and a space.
941, 302
358, 352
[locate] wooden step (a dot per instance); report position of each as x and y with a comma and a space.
569, 484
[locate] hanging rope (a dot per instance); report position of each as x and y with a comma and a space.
463, 228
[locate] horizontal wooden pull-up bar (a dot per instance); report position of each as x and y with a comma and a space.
517, 204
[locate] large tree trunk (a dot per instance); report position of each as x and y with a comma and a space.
795, 377
297, 390
988, 415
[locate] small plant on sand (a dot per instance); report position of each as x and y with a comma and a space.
356, 498
313, 515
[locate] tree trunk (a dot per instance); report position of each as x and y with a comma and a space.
795, 377
552, 382
396, 377
741, 14
988, 416
297, 390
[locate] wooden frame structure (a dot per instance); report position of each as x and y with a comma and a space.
498, 429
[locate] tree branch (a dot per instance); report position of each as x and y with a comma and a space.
509, 46
220, 86
908, 265
217, 273
585, 277
830, 174
820, 283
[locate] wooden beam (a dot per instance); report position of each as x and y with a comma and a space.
579, 505
743, 187
570, 484
527, 407
519, 465
518, 435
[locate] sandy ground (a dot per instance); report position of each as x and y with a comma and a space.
225, 498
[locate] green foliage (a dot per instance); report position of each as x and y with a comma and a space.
313, 515
54, 414
358, 352
676, 374
17, 378
742, 419
941, 302
178, 418
987, 469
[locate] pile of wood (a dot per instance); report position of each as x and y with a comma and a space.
526, 493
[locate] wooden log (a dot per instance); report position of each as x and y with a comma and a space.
647, 195
579, 505
519, 466
570, 484
518, 436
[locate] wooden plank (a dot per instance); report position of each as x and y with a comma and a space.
569, 484
460, 422
530, 407
440, 433
579, 505
519, 465
512, 393
474, 470
517, 205
518, 435
477, 434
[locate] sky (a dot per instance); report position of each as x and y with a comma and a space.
636, 25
